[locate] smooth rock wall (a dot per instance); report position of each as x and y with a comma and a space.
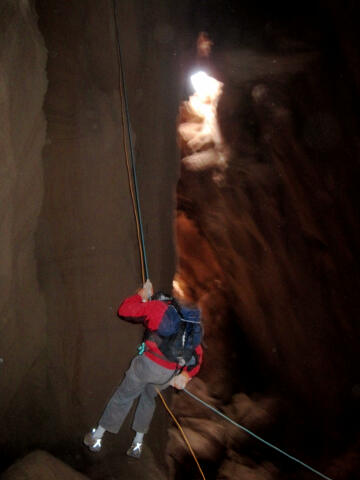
23, 85
87, 245
69, 250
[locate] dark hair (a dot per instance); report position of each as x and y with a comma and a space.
165, 297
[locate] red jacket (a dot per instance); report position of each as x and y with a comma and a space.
134, 310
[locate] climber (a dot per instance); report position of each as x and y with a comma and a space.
167, 321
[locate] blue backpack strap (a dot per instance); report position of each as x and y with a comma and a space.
169, 323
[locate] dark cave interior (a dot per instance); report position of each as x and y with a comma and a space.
259, 226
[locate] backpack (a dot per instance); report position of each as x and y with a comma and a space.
179, 334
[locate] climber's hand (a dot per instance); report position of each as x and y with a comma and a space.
180, 381
146, 291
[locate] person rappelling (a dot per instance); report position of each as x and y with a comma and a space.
171, 354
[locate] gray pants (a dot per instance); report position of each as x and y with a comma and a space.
140, 380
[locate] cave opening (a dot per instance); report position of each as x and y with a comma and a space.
262, 182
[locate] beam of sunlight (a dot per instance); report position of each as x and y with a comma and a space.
200, 129
204, 85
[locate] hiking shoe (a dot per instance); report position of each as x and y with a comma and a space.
93, 443
135, 450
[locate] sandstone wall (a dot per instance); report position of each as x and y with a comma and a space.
42, 466
268, 230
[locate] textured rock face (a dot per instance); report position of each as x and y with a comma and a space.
267, 229
23, 318
42, 466
268, 242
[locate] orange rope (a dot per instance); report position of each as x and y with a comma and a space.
131, 185
182, 433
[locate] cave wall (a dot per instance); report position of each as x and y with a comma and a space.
23, 317
69, 245
86, 241
268, 238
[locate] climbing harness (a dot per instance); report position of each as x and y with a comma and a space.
253, 434
125, 119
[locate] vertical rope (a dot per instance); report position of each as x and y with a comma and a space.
132, 179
